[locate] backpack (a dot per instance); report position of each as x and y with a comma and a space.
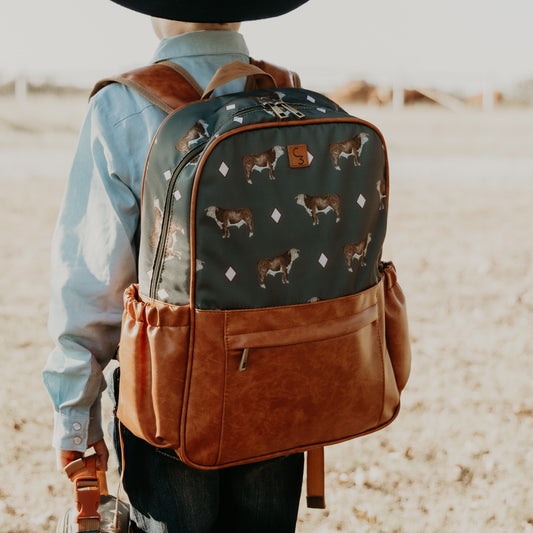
264, 321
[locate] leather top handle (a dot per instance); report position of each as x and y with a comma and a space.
235, 70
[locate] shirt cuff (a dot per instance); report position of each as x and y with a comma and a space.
77, 432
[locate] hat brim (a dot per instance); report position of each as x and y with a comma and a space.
212, 11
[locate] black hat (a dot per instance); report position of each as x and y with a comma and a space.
212, 10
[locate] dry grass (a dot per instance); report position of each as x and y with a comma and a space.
459, 458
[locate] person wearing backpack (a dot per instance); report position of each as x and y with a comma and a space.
94, 259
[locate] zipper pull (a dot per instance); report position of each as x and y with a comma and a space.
276, 109
244, 360
292, 110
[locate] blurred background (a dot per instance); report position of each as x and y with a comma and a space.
450, 85
466, 47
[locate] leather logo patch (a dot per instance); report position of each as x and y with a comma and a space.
298, 155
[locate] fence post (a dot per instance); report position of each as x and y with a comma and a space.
398, 95
21, 88
488, 97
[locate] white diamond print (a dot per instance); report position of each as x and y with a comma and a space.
323, 260
276, 216
177, 195
167, 174
321, 109
230, 273
229, 107
240, 120
162, 294
310, 157
361, 200
311, 99
223, 169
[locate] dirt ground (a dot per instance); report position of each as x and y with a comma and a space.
459, 458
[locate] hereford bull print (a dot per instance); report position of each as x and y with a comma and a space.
195, 134
261, 161
231, 217
281, 264
348, 148
320, 204
356, 250
173, 230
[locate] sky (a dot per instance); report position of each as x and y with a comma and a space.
457, 43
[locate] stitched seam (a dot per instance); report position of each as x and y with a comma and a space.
223, 413
140, 112
382, 349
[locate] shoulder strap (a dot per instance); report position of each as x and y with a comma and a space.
282, 77
165, 84
169, 86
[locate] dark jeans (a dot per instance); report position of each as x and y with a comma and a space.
166, 496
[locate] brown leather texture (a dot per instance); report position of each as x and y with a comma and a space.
234, 71
315, 479
397, 327
157, 83
153, 358
282, 77
315, 374
168, 88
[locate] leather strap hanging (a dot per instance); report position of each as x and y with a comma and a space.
315, 479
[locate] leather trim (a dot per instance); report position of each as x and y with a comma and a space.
283, 77
166, 87
169, 86
324, 329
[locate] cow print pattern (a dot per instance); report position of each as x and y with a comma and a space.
317, 210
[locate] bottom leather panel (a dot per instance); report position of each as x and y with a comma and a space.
270, 381
260, 383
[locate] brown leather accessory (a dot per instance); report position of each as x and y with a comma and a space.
95, 509
170, 87
183, 385
87, 489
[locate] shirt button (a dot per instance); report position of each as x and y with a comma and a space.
76, 426
77, 440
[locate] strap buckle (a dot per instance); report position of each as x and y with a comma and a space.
87, 498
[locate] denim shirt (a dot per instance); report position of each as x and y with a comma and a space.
94, 256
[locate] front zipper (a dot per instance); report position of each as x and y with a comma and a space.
280, 109
244, 360
161, 245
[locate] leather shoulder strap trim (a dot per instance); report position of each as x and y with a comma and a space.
282, 77
164, 84
169, 86
184, 74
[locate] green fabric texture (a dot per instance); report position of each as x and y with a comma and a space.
287, 210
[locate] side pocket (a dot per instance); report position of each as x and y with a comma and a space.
396, 326
153, 356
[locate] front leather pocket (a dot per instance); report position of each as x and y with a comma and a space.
153, 357
292, 377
